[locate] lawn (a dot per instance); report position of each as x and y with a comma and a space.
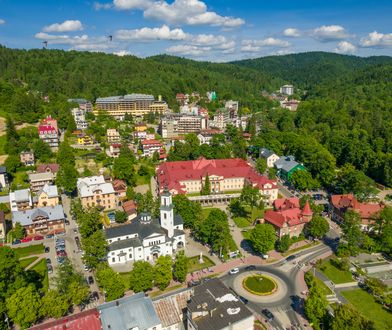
334, 274
20, 180
242, 222
125, 278
369, 308
303, 247
3, 140
29, 250
27, 261
259, 285
42, 271
169, 289
207, 210
194, 264
245, 234
326, 290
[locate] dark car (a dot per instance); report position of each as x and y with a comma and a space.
193, 283
94, 295
17, 241
289, 258
47, 249
48, 261
250, 267
66, 222
61, 253
60, 248
50, 268
49, 236
267, 313
77, 239
244, 300
90, 280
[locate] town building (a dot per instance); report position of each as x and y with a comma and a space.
3, 227
130, 209
269, 156
221, 119
135, 312
94, 191
3, 178
27, 158
287, 217
286, 166
114, 150
120, 187
48, 132
213, 306
225, 175
146, 238
21, 200
133, 104
42, 221
140, 127
48, 168
149, 147
291, 105
48, 196
143, 135
205, 136
113, 136
211, 96
369, 212
79, 116
83, 104
287, 89
182, 99
232, 106
190, 110
85, 140
171, 308
174, 125
39, 180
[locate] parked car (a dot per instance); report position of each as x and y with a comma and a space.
17, 241
59, 239
61, 253
66, 222
86, 268
234, 271
26, 240
250, 267
265, 256
289, 258
38, 238
61, 260
75, 230
48, 261
60, 247
193, 283
94, 295
90, 280
49, 236
47, 249
267, 313
244, 300
50, 269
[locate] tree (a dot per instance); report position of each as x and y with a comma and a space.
352, 231
261, 165
141, 276
180, 269
12, 163
346, 317
206, 189
67, 177
316, 306
19, 231
95, 249
78, 292
318, 226
123, 169
376, 286
250, 196
110, 282
89, 221
65, 155
11, 137
54, 304
191, 212
121, 217
42, 151
263, 238
283, 244
303, 181
24, 306
163, 272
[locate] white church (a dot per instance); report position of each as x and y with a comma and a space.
146, 238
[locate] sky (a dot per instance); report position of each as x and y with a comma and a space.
213, 30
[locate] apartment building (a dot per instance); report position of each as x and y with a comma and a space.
39, 180
48, 132
133, 104
205, 136
287, 89
79, 116
94, 191
174, 125
48, 196
27, 158
21, 200
113, 136
151, 146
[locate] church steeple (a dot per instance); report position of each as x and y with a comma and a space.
167, 213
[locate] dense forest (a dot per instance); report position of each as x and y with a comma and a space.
343, 126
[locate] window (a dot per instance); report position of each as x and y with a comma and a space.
164, 216
130, 256
113, 259
112, 253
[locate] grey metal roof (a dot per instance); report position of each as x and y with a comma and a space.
178, 220
3, 170
25, 218
265, 153
286, 163
22, 195
222, 307
125, 243
50, 190
136, 311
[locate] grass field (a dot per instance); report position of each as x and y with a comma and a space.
369, 308
159, 292
2, 144
260, 285
207, 210
42, 270
125, 278
194, 264
334, 274
29, 250
300, 248
242, 222
27, 261
326, 290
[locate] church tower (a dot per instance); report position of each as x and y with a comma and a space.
167, 213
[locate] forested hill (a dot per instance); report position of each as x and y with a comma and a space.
90, 75
305, 70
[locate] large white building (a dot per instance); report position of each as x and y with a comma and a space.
287, 89
146, 238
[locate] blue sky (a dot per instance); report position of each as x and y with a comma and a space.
216, 30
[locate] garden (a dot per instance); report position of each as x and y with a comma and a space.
337, 275
260, 285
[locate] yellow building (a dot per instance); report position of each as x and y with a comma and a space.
140, 127
84, 140
48, 196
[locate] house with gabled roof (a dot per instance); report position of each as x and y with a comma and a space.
269, 156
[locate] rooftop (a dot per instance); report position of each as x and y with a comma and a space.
25, 218
44, 176
50, 190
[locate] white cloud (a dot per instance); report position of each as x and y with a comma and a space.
292, 32
376, 39
191, 12
326, 33
66, 26
2, 21
99, 6
160, 33
188, 50
250, 48
122, 53
268, 42
345, 47
131, 4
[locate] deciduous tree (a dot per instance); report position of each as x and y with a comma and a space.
263, 238
163, 272
180, 269
110, 282
141, 276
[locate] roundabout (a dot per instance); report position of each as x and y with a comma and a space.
260, 285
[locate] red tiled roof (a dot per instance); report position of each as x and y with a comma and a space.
171, 174
82, 321
46, 128
348, 201
119, 185
130, 207
43, 168
286, 203
307, 210
147, 142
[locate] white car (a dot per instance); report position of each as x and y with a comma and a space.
234, 271
265, 256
